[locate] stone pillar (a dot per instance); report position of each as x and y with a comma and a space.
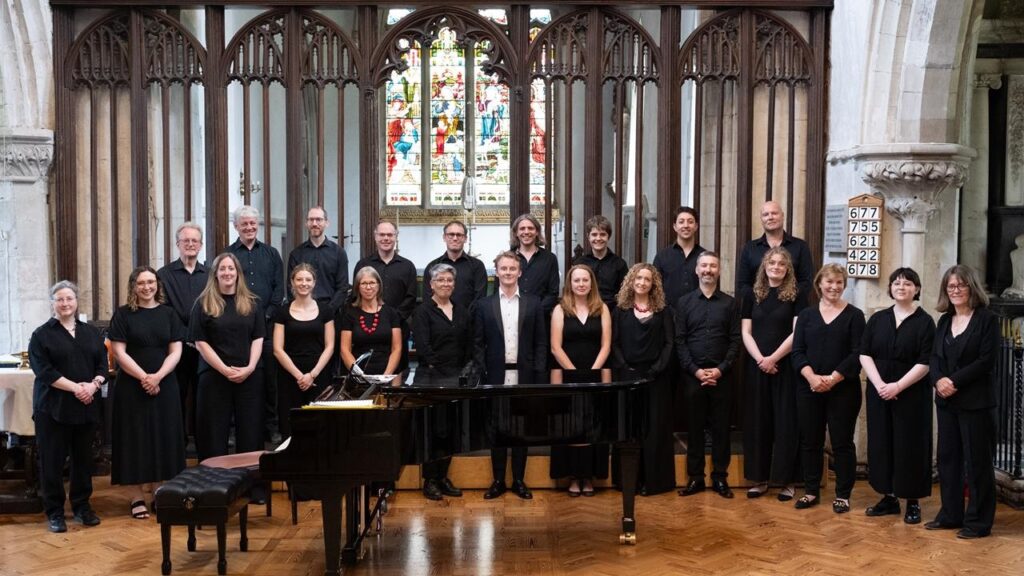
25, 229
974, 232
911, 178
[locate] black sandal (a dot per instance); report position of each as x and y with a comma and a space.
138, 510
841, 505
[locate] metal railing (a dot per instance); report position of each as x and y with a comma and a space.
1010, 399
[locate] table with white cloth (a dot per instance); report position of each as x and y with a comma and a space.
16, 401
17, 450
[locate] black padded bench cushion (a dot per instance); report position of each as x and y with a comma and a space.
203, 487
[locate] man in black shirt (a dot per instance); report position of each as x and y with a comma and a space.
398, 275
183, 280
707, 341
264, 275
677, 262
609, 268
539, 266
327, 258
772, 218
470, 273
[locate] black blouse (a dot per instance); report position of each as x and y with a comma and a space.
829, 347
896, 350
304, 338
771, 319
639, 344
230, 334
54, 353
376, 339
442, 344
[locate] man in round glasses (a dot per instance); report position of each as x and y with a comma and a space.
470, 274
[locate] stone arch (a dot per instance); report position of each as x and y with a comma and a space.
26, 53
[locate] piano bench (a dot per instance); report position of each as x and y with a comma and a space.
203, 496
250, 462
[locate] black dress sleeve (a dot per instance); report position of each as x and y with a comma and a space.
747, 303
974, 372
799, 353
118, 331
618, 358
421, 335
668, 325
179, 332
196, 328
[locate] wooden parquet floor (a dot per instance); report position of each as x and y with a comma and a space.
551, 534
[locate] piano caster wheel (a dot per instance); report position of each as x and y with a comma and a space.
627, 538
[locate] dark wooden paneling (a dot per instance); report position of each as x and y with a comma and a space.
669, 115
519, 113
817, 136
216, 152
65, 202
140, 144
369, 132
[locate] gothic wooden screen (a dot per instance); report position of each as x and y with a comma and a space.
179, 113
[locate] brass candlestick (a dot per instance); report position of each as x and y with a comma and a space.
24, 361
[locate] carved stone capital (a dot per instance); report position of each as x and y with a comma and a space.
25, 156
989, 81
912, 176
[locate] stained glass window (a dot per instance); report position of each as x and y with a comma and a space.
538, 141
466, 116
404, 130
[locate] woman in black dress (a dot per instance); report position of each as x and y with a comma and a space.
148, 443
962, 364
228, 331
895, 352
581, 339
368, 324
771, 435
70, 364
826, 353
443, 332
303, 345
643, 336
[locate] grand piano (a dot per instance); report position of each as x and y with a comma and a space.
336, 453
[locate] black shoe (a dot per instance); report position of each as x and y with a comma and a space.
56, 524
497, 489
87, 517
971, 534
693, 487
887, 505
913, 515
520, 489
722, 488
431, 490
449, 489
841, 505
806, 501
936, 525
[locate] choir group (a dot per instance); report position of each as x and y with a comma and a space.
206, 349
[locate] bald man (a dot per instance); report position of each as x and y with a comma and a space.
772, 218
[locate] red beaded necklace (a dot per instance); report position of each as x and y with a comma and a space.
373, 327
641, 309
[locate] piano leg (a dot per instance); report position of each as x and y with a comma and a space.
331, 512
629, 468
353, 534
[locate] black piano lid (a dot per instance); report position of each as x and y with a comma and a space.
558, 382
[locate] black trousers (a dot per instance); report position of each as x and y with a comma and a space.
707, 406
837, 410
499, 456
965, 452
56, 441
900, 442
187, 374
218, 402
436, 469
771, 435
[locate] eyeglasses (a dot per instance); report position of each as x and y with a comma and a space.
315, 220
455, 234
954, 288
368, 283
189, 241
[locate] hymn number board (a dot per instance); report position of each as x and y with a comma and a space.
864, 236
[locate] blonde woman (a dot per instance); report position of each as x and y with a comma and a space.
581, 339
228, 330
